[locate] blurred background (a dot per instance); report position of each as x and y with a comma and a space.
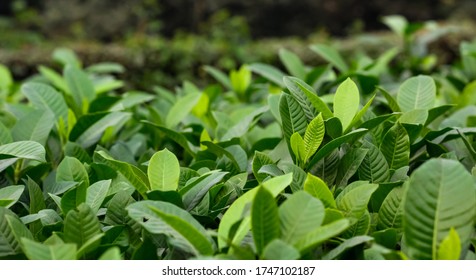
166, 41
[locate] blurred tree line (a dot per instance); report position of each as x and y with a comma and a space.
108, 19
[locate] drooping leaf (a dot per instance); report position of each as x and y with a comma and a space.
164, 171
440, 196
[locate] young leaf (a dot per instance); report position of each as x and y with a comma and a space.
440, 196
417, 93
450, 247
313, 137
297, 146
264, 219
346, 102
319, 189
164, 171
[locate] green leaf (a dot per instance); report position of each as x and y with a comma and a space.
280, 250
10, 195
90, 128
396, 147
219, 76
264, 219
346, 102
349, 164
96, 194
116, 213
300, 214
164, 171
37, 202
55, 78
440, 196
319, 189
181, 109
175, 136
306, 96
112, 254
450, 247
331, 55
5, 135
269, 72
313, 137
35, 126
81, 225
374, 167
391, 102
259, 160
390, 213
134, 175
292, 63
71, 169
346, 245
37, 251
160, 217
241, 79
292, 116
46, 97
6, 79
66, 57
321, 234
193, 192
80, 86
334, 144
235, 212
9, 244
353, 200
417, 93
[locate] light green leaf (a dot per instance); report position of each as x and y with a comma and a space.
269, 72
72, 170
313, 136
66, 57
280, 250
241, 79
259, 160
5, 135
182, 107
417, 93
264, 219
54, 78
450, 247
395, 147
346, 102
440, 196
10, 195
37, 251
319, 189
331, 55
297, 146
292, 63
9, 244
113, 254
163, 171
219, 76
353, 200
6, 79
96, 194
300, 214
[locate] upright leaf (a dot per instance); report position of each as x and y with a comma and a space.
35, 126
346, 102
331, 55
292, 116
81, 225
313, 136
264, 219
80, 86
395, 147
38, 251
47, 98
319, 189
292, 63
